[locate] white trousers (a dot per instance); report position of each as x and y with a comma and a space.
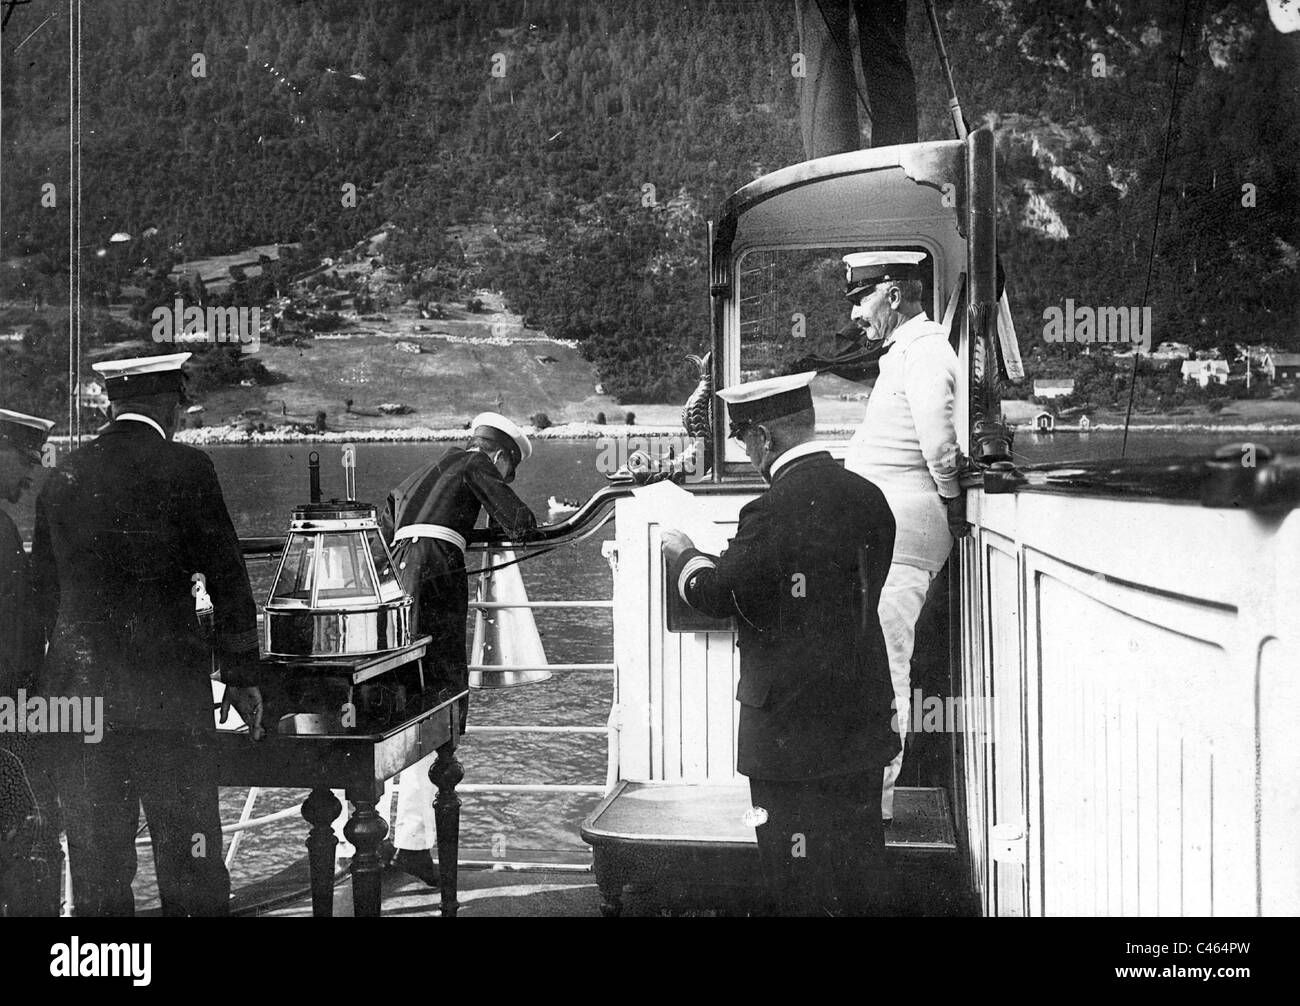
413, 825
901, 600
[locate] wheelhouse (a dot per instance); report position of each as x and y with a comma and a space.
1121, 744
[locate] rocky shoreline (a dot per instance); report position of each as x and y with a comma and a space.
593, 431
414, 434
215, 435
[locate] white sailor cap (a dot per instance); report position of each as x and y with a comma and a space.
26, 433
759, 401
863, 270
143, 375
497, 427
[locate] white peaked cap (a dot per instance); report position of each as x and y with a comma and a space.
24, 432
143, 375
759, 401
111, 369
756, 391
23, 419
863, 270
496, 421
857, 260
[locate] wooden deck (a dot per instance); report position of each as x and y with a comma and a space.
687, 846
484, 893
920, 843
681, 813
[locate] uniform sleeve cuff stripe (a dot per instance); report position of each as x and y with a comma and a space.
692, 567
239, 642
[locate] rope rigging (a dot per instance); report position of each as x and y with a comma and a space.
1155, 219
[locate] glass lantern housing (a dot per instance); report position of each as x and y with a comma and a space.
335, 592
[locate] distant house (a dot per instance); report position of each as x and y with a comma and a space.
1053, 388
1205, 371
90, 395
1044, 422
1282, 366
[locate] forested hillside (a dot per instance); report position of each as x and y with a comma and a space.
569, 152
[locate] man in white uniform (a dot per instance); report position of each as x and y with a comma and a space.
907, 446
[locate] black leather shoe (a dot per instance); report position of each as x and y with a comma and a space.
418, 863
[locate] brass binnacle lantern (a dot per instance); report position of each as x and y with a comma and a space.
335, 592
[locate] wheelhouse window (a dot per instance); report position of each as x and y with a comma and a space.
793, 316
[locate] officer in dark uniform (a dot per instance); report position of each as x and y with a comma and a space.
31, 860
802, 578
428, 520
130, 529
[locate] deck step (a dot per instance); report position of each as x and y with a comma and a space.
688, 844
714, 813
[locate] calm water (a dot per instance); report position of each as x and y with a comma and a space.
263, 482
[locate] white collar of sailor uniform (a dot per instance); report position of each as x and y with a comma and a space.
794, 453
135, 417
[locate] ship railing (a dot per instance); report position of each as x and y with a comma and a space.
268, 550
609, 730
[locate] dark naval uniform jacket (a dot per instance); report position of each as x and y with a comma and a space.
30, 868
448, 494
20, 654
122, 526
814, 692
21, 644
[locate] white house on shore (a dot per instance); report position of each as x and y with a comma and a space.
1281, 366
91, 395
1205, 371
1053, 387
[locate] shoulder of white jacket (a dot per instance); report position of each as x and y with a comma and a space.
932, 339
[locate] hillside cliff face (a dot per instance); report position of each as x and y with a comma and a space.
591, 141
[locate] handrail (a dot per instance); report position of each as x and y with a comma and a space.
267, 548
579, 668
587, 517
1239, 476
493, 605
243, 825
583, 521
536, 787
530, 729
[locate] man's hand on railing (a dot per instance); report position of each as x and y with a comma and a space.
956, 514
674, 544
